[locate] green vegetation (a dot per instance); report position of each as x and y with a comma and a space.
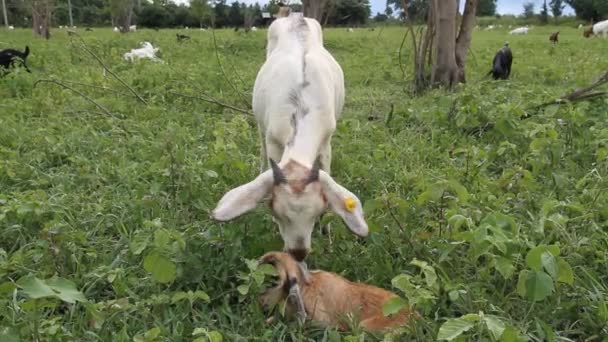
491, 232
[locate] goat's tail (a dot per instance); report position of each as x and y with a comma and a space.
26, 52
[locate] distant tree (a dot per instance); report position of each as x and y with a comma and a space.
41, 17
200, 9
557, 8
528, 9
220, 13
153, 15
380, 17
486, 8
235, 16
416, 9
122, 13
350, 12
544, 13
388, 11
314, 8
4, 13
590, 10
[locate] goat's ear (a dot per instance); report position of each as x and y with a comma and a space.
244, 198
345, 204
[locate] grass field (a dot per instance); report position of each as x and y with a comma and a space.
104, 229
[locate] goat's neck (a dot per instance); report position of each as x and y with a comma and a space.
306, 144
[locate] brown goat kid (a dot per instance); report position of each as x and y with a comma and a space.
329, 299
554, 38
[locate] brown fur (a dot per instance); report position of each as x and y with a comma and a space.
331, 299
554, 38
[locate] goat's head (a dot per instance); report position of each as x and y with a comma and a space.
289, 285
299, 195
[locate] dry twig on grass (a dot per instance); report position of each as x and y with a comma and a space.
211, 99
100, 106
103, 65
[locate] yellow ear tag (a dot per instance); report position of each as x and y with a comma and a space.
350, 204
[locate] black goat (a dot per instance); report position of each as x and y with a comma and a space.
8, 57
182, 37
501, 65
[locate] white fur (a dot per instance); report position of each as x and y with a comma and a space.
116, 29
11, 27
254, 29
601, 28
146, 51
580, 26
297, 67
520, 30
133, 28
490, 27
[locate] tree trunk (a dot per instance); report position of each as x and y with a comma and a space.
314, 9
70, 13
124, 16
4, 13
41, 16
465, 35
445, 69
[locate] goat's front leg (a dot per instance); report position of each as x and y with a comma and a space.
263, 155
325, 158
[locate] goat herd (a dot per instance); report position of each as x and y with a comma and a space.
296, 119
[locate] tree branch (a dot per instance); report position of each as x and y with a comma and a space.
86, 48
210, 99
106, 111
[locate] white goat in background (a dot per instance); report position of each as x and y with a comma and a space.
146, 51
520, 30
297, 98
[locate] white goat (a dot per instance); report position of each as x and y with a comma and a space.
116, 29
520, 30
254, 29
601, 28
490, 27
146, 51
133, 28
11, 27
580, 26
297, 97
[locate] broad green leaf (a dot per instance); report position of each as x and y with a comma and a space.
504, 266
34, 287
65, 290
461, 191
202, 296
430, 276
402, 283
549, 264
393, 305
565, 274
215, 336
161, 238
533, 257
162, 269
268, 269
152, 334
457, 221
55, 287
243, 289
453, 328
495, 325
539, 286
510, 335
521, 282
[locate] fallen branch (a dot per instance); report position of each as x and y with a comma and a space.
106, 111
86, 48
210, 99
581, 94
219, 62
